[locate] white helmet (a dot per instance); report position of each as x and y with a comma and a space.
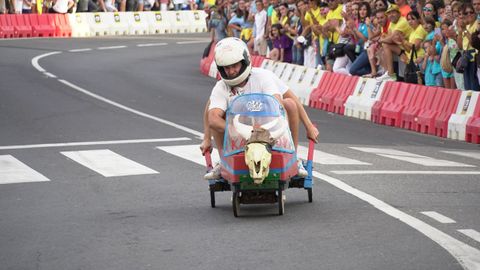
229, 51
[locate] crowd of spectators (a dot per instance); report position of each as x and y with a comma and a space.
71, 6
431, 42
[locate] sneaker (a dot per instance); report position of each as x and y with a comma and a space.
214, 174
387, 77
301, 170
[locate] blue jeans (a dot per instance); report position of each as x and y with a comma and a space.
361, 65
470, 77
297, 55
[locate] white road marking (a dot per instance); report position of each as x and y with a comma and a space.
108, 163
38, 57
328, 159
192, 42
409, 157
48, 74
189, 152
123, 107
472, 234
467, 256
438, 217
47, 145
111, 47
80, 50
352, 172
151, 44
475, 155
13, 170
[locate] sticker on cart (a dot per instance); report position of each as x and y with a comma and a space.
377, 88
314, 77
300, 80
362, 87
467, 102
291, 73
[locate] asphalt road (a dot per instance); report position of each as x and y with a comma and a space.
62, 99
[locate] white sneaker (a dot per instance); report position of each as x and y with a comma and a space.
301, 170
214, 174
385, 77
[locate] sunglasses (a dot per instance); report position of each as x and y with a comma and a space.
468, 13
427, 9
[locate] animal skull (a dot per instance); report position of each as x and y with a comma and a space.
258, 157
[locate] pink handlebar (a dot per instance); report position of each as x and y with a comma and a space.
311, 148
208, 160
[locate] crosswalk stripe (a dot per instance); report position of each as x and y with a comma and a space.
13, 170
108, 163
472, 234
409, 157
475, 155
328, 159
189, 152
438, 217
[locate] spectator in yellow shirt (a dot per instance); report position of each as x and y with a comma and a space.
398, 30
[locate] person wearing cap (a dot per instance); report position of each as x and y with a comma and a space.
238, 77
398, 30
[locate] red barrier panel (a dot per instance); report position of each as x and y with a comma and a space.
389, 93
449, 101
207, 61
41, 25
62, 25
423, 100
6, 27
473, 126
21, 24
339, 100
338, 85
433, 120
391, 112
319, 91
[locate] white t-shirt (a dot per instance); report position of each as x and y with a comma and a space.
260, 81
260, 21
61, 6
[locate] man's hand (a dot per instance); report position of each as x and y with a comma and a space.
206, 146
312, 133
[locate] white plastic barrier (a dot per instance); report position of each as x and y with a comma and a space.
310, 80
360, 103
278, 67
137, 22
179, 22
98, 26
458, 121
197, 21
79, 24
118, 24
268, 64
158, 22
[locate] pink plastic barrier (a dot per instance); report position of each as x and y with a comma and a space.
423, 99
62, 25
6, 27
433, 120
42, 26
473, 126
332, 92
22, 26
389, 95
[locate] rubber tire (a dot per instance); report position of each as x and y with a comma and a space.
310, 195
281, 203
236, 204
212, 198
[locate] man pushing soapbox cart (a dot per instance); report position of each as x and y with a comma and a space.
259, 160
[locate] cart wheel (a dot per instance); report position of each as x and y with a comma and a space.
236, 203
212, 198
310, 195
281, 203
